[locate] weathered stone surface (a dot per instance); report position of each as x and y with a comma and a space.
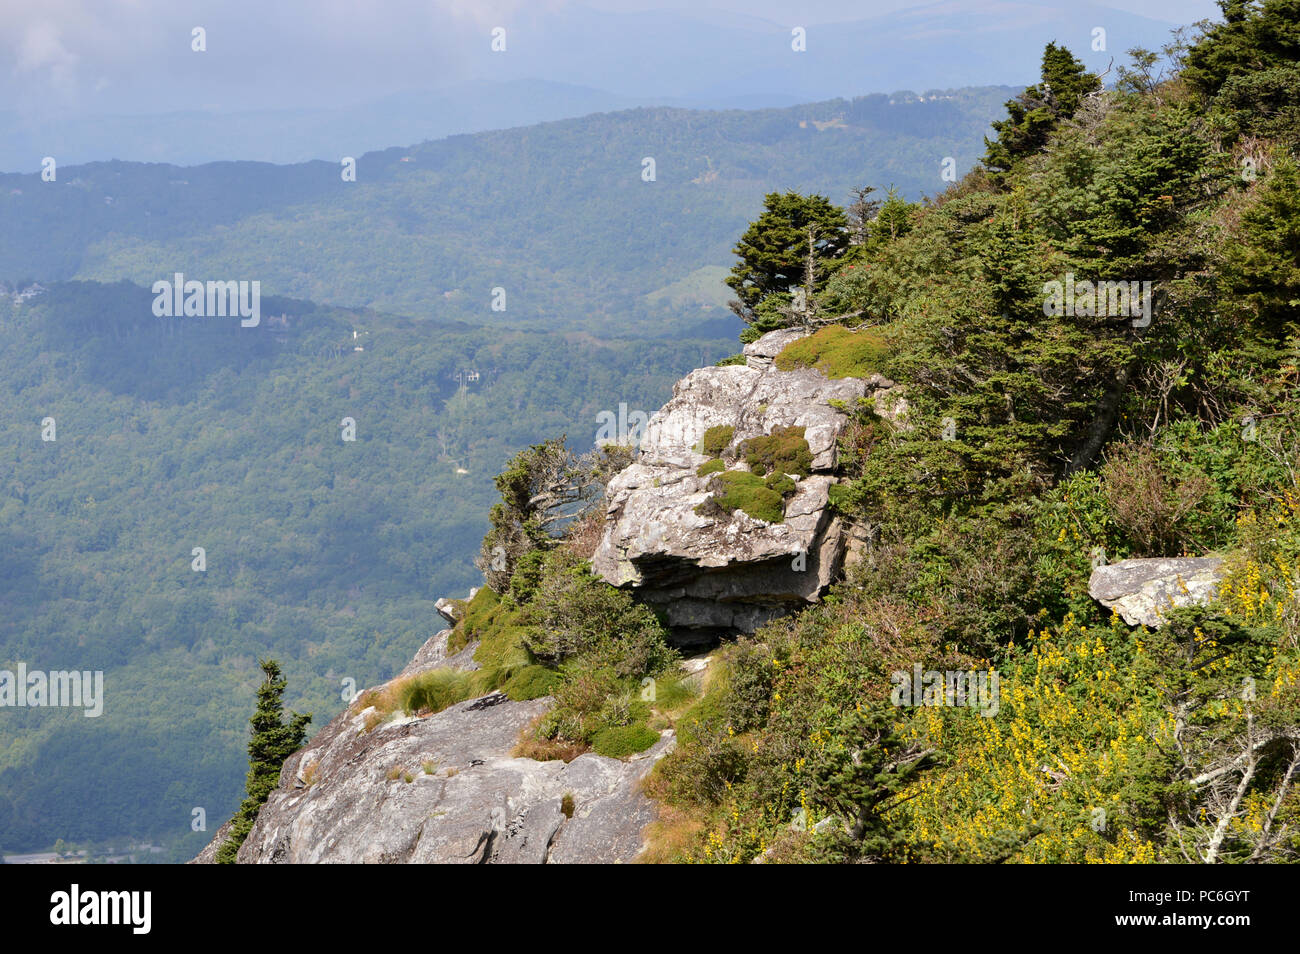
434, 654
1141, 591
447, 610
760, 354
337, 804
731, 573
754, 402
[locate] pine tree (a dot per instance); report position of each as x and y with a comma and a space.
1033, 114
1252, 38
273, 741
858, 777
774, 253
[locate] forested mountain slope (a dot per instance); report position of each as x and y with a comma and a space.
557, 214
1095, 338
172, 434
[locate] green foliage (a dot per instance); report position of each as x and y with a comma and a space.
716, 440
1036, 443
542, 489
1264, 269
859, 777
620, 741
731, 360
531, 682
436, 689
710, 467
780, 482
750, 675
735, 490
836, 352
1255, 35
1263, 103
527, 576
576, 614
784, 451
1035, 113
774, 252
272, 741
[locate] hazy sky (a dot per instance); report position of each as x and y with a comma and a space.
135, 56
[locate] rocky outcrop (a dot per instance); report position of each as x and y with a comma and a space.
1142, 591
447, 610
444, 789
712, 574
761, 353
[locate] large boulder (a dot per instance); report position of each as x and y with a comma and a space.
444, 788
1142, 591
761, 353
714, 574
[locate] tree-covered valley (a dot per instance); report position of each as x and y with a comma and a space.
326, 553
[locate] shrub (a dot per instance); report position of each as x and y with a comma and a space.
836, 352
574, 613
701, 772
531, 682
528, 573
716, 439
733, 359
1148, 505
710, 467
783, 451
620, 741
749, 684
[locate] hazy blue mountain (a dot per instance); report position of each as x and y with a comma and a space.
282, 96
560, 214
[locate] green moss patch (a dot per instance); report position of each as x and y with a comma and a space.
710, 467
716, 439
737, 490
837, 352
620, 741
784, 451
779, 482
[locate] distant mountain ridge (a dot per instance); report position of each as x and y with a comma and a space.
566, 216
284, 99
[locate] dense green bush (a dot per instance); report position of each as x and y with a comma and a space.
716, 440
784, 451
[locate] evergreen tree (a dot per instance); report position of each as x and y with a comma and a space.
1033, 114
774, 254
273, 741
1254, 36
542, 489
858, 777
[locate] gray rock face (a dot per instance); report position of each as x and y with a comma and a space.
733, 573
447, 610
1141, 591
760, 354
345, 797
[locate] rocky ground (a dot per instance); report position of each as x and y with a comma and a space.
713, 575
444, 788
